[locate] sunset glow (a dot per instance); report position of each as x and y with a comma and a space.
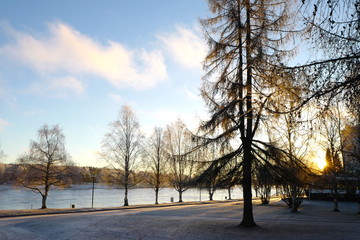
321, 163
319, 159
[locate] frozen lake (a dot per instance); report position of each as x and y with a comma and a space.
81, 196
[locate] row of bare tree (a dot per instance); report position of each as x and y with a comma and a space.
173, 157
167, 152
166, 158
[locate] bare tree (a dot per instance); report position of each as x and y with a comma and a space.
179, 146
212, 181
333, 66
263, 182
331, 125
351, 147
2, 166
208, 181
46, 164
333, 70
2, 155
206, 176
293, 136
156, 161
122, 147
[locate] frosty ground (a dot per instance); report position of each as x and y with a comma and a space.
206, 220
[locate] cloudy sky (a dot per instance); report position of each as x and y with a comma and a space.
75, 63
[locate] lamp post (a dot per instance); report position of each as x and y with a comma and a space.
93, 188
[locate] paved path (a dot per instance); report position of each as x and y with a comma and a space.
202, 221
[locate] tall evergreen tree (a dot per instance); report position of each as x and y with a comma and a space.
244, 75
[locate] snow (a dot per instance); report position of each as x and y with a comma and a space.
214, 220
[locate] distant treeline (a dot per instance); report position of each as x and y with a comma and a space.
77, 175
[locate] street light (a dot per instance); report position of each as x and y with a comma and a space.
93, 188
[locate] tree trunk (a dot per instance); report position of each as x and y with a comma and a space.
157, 184
156, 195
180, 196
127, 173
229, 192
126, 201
43, 202
47, 188
293, 196
336, 205
336, 202
211, 195
265, 196
248, 218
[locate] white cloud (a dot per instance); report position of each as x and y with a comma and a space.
191, 95
157, 118
57, 87
3, 124
7, 95
65, 49
164, 116
185, 46
116, 98
67, 83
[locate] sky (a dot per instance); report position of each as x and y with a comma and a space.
75, 63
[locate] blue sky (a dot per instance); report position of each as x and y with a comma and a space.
75, 63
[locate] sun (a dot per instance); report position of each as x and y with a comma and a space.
321, 163
318, 158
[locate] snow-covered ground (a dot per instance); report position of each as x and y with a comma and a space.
218, 220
